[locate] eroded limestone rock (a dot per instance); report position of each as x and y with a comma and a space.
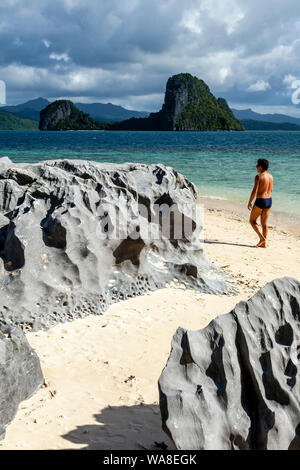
236, 383
20, 372
76, 236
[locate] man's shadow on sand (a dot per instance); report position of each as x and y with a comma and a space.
135, 427
227, 243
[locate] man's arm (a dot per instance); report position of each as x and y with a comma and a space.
254, 191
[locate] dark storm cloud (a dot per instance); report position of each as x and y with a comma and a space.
91, 33
124, 51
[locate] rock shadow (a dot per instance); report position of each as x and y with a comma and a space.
136, 427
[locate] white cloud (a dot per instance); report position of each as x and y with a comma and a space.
46, 43
224, 73
63, 56
2, 92
229, 13
288, 80
191, 21
260, 85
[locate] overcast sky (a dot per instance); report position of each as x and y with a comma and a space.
123, 51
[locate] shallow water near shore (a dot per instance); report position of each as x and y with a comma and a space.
221, 164
280, 220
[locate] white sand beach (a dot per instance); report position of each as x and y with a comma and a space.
101, 372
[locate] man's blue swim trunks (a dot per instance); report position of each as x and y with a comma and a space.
263, 203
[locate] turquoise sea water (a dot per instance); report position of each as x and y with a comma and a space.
221, 164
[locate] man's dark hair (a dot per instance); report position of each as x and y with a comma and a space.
263, 163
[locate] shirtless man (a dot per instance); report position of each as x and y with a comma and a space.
263, 188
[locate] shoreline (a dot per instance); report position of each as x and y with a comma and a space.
279, 220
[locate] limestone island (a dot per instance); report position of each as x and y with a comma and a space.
188, 106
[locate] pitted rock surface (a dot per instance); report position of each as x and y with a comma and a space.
60, 257
236, 383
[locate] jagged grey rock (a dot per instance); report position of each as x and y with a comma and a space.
60, 257
236, 383
20, 372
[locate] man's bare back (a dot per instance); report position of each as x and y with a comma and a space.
262, 190
265, 185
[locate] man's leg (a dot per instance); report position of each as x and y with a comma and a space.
255, 213
264, 222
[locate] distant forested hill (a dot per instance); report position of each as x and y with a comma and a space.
29, 110
245, 114
99, 111
253, 125
109, 112
10, 122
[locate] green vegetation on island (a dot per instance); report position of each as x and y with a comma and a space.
189, 106
9, 122
64, 115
